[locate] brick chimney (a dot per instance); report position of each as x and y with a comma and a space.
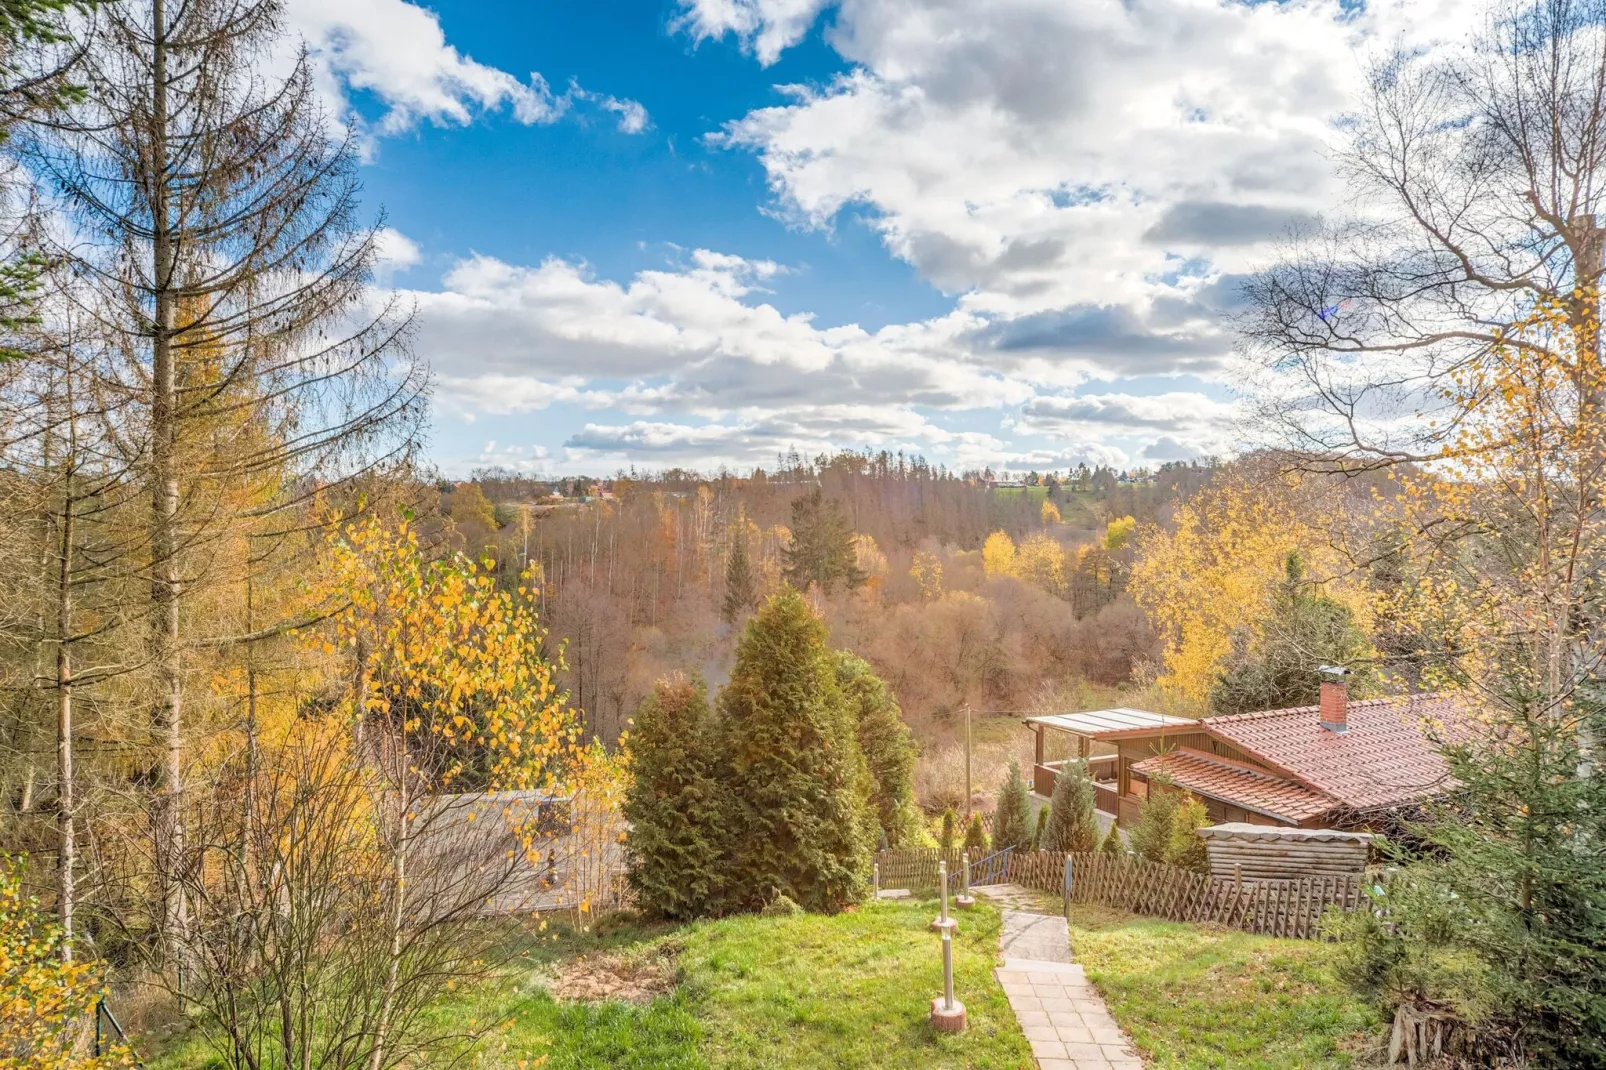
1335, 699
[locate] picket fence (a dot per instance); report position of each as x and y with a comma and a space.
1291, 908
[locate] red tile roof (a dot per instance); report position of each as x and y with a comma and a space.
1384, 759
1236, 783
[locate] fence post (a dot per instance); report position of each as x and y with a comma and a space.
875, 880
1067, 886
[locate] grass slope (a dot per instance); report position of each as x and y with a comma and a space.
1197, 996
851, 990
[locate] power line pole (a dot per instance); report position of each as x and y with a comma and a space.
967, 763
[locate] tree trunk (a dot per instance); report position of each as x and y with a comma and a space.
65, 801
164, 511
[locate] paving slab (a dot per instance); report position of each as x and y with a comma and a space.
1061, 1013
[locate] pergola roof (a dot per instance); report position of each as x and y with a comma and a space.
1097, 724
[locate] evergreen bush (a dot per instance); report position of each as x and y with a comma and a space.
888, 747
674, 803
1009, 820
1073, 826
797, 782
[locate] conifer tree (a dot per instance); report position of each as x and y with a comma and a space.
975, 834
1073, 826
1112, 844
945, 841
1039, 828
1010, 828
821, 550
1186, 847
888, 747
741, 591
1151, 836
798, 820
674, 802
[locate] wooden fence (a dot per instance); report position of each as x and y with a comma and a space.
1291, 908
916, 867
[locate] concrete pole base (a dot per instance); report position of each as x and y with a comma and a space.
938, 925
964, 902
944, 1020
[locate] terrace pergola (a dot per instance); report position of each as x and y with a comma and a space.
1134, 734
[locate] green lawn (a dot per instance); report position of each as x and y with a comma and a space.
807, 991
1199, 996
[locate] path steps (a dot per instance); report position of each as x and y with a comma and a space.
1059, 1010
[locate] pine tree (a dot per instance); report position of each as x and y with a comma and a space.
797, 781
1276, 666
821, 550
741, 590
674, 803
1010, 819
1039, 827
888, 747
1112, 844
1074, 824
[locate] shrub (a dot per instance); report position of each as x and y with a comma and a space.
782, 906
1187, 848
1074, 826
1037, 829
975, 835
1009, 820
946, 840
674, 803
1112, 844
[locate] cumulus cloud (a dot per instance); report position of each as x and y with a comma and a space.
398, 52
765, 28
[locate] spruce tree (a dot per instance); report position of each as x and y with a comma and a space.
1112, 844
945, 841
741, 591
888, 747
674, 803
821, 549
1073, 826
1151, 836
1010, 827
1039, 828
1186, 847
797, 782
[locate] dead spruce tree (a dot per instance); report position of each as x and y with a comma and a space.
219, 250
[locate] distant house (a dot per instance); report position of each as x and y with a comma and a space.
1339, 764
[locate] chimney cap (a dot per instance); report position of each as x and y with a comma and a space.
1333, 670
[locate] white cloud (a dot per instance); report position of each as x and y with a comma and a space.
398, 52
765, 27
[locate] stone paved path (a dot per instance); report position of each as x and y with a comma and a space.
1060, 1011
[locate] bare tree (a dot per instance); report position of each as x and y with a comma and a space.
220, 252
1478, 175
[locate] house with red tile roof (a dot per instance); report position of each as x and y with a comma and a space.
1338, 764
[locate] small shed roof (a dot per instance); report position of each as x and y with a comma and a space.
1122, 720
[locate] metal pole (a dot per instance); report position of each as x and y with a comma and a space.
942, 875
1067, 886
947, 970
967, 764
875, 879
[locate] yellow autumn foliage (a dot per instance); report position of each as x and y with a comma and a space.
46, 1004
1214, 572
998, 555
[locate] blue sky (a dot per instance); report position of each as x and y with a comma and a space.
701, 232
